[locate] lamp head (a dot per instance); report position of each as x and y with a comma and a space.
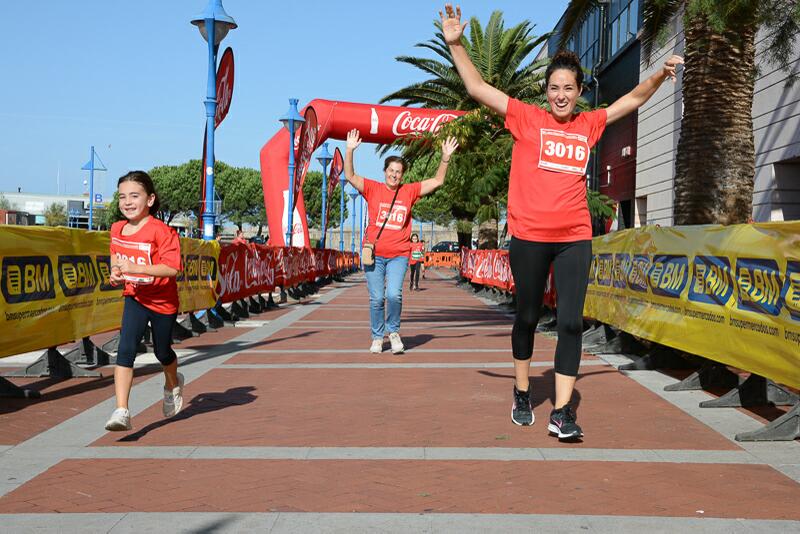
223, 23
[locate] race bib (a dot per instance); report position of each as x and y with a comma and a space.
137, 253
396, 219
563, 152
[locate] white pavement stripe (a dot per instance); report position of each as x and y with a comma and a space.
500, 454
325, 523
30, 458
389, 365
430, 326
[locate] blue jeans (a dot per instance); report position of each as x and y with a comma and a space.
388, 273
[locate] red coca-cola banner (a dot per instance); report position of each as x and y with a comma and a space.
491, 268
337, 167
377, 124
248, 269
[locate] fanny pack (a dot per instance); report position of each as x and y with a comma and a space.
368, 249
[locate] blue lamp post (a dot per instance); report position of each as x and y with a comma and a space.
341, 215
214, 24
290, 121
353, 195
324, 159
91, 167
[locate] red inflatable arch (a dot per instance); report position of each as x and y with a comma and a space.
377, 124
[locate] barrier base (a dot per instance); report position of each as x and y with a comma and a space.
755, 391
13, 391
262, 302
283, 299
253, 306
659, 357
710, 375
271, 304
239, 310
212, 320
112, 345
196, 325
181, 332
53, 364
784, 428
227, 316
622, 343
87, 353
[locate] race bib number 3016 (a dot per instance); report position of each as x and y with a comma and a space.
397, 218
563, 152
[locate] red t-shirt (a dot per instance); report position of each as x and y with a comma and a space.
417, 253
396, 237
154, 243
547, 183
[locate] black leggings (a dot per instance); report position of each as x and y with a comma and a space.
134, 321
530, 266
414, 273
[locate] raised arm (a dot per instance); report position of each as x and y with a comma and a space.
430, 185
477, 88
353, 140
642, 92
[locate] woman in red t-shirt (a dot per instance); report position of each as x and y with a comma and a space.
415, 261
146, 257
389, 208
548, 216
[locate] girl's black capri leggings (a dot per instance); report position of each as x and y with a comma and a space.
135, 317
530, 265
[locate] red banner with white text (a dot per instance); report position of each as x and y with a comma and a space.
491, 268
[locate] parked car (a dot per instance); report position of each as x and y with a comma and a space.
258, 240
445, 246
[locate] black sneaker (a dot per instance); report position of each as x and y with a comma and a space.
521, 412
562, 424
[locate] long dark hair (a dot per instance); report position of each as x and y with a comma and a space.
143, 179
568, 60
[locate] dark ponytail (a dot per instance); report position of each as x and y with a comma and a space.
568, 60
143, 179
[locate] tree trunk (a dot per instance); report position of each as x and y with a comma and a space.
487, 235
464, 232
715, 163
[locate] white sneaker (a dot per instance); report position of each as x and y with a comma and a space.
120, 420
173, 400
397, 343
376, 347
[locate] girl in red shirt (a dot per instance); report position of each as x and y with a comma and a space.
415, 260
389, 228
548, 216
146, 257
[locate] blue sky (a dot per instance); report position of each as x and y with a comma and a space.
130, 77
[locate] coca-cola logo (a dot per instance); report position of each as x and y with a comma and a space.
224, 86
406, 124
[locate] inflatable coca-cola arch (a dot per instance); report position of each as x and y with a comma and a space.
377, 124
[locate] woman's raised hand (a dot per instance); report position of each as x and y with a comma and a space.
353, 139
449, 146
451, 24
670, 65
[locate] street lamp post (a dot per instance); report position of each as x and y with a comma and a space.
214, 24
353, 196
341, 216
290, 120
324, 159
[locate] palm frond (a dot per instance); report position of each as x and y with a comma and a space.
656, 16
576, 11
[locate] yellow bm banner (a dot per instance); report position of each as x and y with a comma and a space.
54, 285
731, 294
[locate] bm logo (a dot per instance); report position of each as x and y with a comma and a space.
759, 284
27, 278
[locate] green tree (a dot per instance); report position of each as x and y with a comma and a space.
312, 197
112, 213
4, 203
55, 215
178, 187
477, 181
715, 161
241, 193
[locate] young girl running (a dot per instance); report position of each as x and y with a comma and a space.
415, 261
146, 257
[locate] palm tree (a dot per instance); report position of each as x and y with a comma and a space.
479, 177
715, 163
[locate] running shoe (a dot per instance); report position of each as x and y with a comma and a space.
376, 347
173, 398
397, 343
521, 411
119, 421
562, 424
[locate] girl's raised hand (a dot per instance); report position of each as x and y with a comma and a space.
449, 146
353, 139
451, 24
670, 65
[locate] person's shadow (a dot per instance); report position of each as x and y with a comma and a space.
542, 387
199, 405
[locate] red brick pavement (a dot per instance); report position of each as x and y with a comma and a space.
514, 487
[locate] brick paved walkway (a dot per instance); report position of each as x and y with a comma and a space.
294, 426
